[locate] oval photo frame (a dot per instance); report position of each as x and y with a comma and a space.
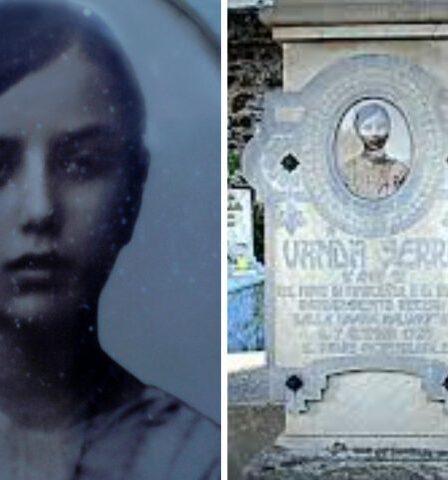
373, 149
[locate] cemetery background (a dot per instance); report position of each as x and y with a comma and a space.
254, 68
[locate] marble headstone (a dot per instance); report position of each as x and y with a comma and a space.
240, 234
351, 163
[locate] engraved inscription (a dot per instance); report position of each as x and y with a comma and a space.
366, 305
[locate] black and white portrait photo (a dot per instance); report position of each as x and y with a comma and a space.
375, 147
98, 167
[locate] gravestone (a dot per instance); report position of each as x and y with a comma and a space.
240, 230
351, 164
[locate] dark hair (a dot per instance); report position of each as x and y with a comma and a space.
35, 33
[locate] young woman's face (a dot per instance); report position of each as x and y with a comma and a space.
63, 190
374, 130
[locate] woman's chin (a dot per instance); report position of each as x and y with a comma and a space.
39, 308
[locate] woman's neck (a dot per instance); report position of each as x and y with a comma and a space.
49, 377
375, 155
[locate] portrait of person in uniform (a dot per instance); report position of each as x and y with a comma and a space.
73, 165
373, 174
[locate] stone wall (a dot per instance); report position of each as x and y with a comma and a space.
254, 66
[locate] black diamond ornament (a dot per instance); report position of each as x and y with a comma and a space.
290, 163
294, 383
445, 383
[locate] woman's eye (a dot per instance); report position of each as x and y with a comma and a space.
76, 163
83, 160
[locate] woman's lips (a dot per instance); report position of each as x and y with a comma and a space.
38, 272
37, 261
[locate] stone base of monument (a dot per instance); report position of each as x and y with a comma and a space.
388, 409
343, 463
367, 425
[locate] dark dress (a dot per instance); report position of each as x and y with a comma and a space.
127, 431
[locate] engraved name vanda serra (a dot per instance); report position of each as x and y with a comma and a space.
409, 253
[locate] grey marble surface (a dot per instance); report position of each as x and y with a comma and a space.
275, 464
249, 386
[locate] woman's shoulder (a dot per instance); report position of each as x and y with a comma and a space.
156, 435
190, 439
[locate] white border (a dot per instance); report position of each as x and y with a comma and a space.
224, 114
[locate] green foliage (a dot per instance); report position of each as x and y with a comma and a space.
233, 163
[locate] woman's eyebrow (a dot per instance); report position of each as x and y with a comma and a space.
91, 132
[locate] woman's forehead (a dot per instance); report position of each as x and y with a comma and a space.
372, 113
377, 117
65, 95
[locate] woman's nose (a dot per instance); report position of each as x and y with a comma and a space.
38, 205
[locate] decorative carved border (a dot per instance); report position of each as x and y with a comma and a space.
315, 376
